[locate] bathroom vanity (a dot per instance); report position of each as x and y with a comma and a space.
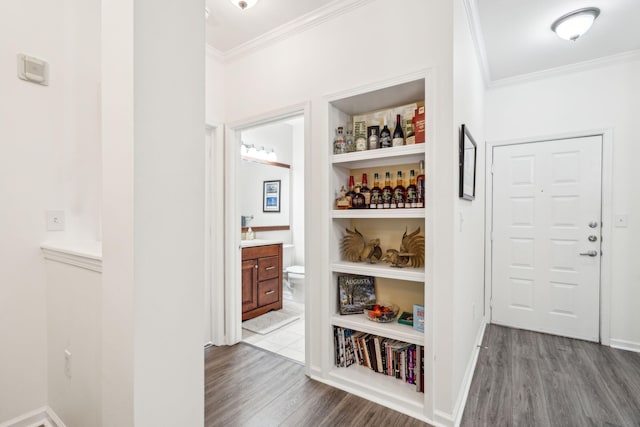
261, 277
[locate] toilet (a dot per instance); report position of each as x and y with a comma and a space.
293, 283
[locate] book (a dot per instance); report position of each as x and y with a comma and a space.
406, 318
354, 292
418, 317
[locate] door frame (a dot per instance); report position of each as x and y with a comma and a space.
607, 219
231, 304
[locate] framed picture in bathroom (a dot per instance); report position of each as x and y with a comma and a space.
271, 196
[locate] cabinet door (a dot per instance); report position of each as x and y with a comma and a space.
249, 285
268, 268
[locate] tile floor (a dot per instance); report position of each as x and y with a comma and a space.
287, 341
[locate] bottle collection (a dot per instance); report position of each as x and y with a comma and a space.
360, 196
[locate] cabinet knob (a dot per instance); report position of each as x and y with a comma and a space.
255, 266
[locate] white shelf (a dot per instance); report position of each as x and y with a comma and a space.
380, 157
379, 270
379, 213
389, 388
393, 330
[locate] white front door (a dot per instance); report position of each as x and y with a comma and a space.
546, 236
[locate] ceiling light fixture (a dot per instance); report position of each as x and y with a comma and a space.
576, 23
244, 4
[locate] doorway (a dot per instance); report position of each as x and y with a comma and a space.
546, 236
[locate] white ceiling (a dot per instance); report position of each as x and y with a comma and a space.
516, 33
228, 26
518, 39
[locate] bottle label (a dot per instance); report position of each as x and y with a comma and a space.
361, 144
373, 142
397, 142
412, 198
411, 140
387, 197
398, 199
385, 141
367, 198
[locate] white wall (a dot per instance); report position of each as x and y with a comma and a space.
302, 68
297, 191
607, 97
214, 87
153, 225
468, 297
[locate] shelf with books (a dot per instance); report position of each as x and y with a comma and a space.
392, 330
379, 270
379, 213
404, 154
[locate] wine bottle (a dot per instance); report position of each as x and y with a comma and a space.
385, 136
376, 193
398, 135
412, 192
411, 135
420, 186
399, 193
365, 191
387, 191
351, 191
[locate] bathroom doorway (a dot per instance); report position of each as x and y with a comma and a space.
268, 173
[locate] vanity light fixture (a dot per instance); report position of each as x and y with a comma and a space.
244, 4
272, 157
576, 23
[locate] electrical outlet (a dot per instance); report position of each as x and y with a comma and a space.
67, 363
55, 220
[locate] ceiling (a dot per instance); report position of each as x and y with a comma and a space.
516, 34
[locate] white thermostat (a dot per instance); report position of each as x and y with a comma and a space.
33, 69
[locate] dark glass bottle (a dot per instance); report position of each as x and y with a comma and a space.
365, 191
412, 192
351, 191
376, 193
420, 186
399, 193
398, 134
358, 200
411, 135
385, 136
387, 191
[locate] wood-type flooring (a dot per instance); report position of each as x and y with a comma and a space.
526, 378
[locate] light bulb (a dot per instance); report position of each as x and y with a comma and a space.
252, 152
243, 150
272, 156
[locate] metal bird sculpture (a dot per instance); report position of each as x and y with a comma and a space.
354, 247
411, 253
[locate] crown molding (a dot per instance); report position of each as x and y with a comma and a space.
86, 255
297, 26
473, 16
629, 56
214, 53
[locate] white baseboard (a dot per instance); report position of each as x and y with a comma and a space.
625, 345
468, 376
44, 416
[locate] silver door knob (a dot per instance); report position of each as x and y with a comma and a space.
589, 253
593, 224
592, 238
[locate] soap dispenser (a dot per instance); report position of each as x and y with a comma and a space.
249, 235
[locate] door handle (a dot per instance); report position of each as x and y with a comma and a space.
270, 268
589, 253
270, 292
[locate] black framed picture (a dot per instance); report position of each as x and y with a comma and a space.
271, 196
467, 165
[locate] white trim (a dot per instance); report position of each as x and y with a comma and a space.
86, 255
607, 217
625, 345
296, 26
442, 418
475, 28
214, 53
44, 415
629, 56
468, 376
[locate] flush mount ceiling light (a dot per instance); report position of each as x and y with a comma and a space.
244, 4
576, 23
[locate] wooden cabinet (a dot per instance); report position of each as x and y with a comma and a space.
261, 280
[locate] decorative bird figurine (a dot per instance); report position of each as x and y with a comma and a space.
411, 251
354, 247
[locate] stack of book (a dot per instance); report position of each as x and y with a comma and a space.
385, 356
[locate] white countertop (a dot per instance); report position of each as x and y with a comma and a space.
258, 242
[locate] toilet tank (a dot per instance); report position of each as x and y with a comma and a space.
288, 255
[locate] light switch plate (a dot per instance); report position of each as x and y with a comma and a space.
55, 220
33, 70
622, 221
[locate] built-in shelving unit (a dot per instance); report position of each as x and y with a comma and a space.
403, 286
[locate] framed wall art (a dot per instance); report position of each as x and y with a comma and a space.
467, 165
271, 196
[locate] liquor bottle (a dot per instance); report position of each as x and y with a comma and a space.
349, 143
399, 193
420, 186
412, 192
387, 191
376, 193
411, 135
385, 136
351, 191
374, 140
338, 141
358, 201
364, 190
398, 135
360, 143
